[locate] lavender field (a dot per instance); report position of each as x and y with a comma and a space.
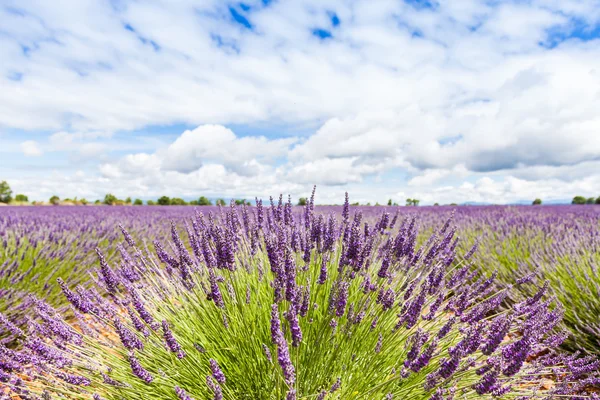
278, 301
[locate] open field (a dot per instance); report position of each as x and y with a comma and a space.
299, 302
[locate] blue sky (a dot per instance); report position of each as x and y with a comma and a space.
437, 100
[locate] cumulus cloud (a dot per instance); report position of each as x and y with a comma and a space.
31, 148
215, 143
464, 99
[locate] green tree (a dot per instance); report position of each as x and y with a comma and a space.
389, 202
5, 192
204, 201
110, 199
128, 200
412, 202
54, 200
409, 202
241, 202
83, 201
590, 200
97, 202
537, 202
151, 202
164, 201
221, 202
176, 201
21, 198
578, 200
302, 201
598, 200
138, 202
436, 204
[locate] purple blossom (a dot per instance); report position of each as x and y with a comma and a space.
171, 341
181, 394
216, 371
138, 370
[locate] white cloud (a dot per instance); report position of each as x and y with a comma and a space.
31, 148
215, 143
404, 100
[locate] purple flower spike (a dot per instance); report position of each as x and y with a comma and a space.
128, 338
171, 341
283, 355
217, 373
182, 394
138, 370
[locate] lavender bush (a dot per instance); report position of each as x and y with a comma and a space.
275, 303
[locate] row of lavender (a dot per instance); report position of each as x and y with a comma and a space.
354, 305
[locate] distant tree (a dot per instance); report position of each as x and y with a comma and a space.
110, 199
598, 200
138, 202
389, 202
128, 200
21, 198
412, 202
97, 202
355, 204
176, 201
5, 192
377, 203
164, 201
453, 204
221, 202
204, 201
436, 204
240, 202
537, 202
54, 200
579, 200
590, 200
302, 201
150, 202
83, 201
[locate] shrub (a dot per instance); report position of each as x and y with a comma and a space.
164, 201
21, 198
590, 200
203, 201
221, 202
128, 200
54, 200
5, 192
138, 202
579, 200
176, 201
255, 314
110, 199
150, 202
537, 202
302, 201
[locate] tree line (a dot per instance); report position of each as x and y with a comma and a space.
112, 200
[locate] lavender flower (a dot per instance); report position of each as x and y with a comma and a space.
171, 341
138, 370
181, 394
